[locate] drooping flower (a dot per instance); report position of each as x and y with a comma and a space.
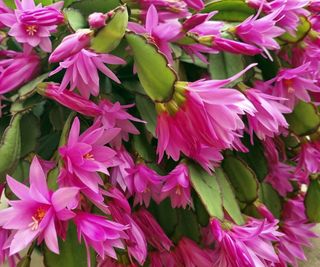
309, 157
143, 184
84, 155
115, 115
97, 20
152, 230
293, 84
297, 232
82, 71
35, 214
136, 243
161, 33
4, 251
177, 186
162, 259
99, 233
189, 254
260, 31
17, 68
247, 245
33, 25
195, 4
269, 119
200, 117
71, 45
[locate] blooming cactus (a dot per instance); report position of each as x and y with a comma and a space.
159, 133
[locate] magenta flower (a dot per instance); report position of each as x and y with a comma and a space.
214, 110
82, 71
84, 155
114, 115
33, 25
269, 119
161, 33
189, 254
97, 20
248, 245
4, 249
156, 237
17, 68
297, 232
309, 157
71, 45
120, 174
293, 84
99, 233
143, 184
35, 214
136, 243
162, 259
177, 186
260, 31
195, 4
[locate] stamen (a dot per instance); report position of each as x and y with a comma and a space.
31, 29
37, 218
88, 156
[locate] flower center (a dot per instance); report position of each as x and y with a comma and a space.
88, 156
288, 83
31, 29
37, 218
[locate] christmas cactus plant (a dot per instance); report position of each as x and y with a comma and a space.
159, 133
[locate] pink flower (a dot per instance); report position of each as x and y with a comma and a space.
99, 233
82, 71
309, 157
120, 173
35, 214
248, 245
189, 254
297, 233
162, 259
177, 186
260, 31
70, 99
33, 25
293, 84
161, 33
152, 230
4, 250
85, 155
17, 68
195, 4
136, 243
143, 184
71, 45
269, 119
215, 112
97, 20
114, 115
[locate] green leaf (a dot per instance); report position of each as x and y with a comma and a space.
207, 188
255, 158
10, 146
302, 31
201, 212
229, 10
242, 179
304, 120
312, 201
225, 65
10, 3
86, 7
109, 37
72, 254
229, 201
166, 216
187, 226
30, 88
271, 199
30, 132
143, 147
156, 76
147, 112
75, 18
66, 129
